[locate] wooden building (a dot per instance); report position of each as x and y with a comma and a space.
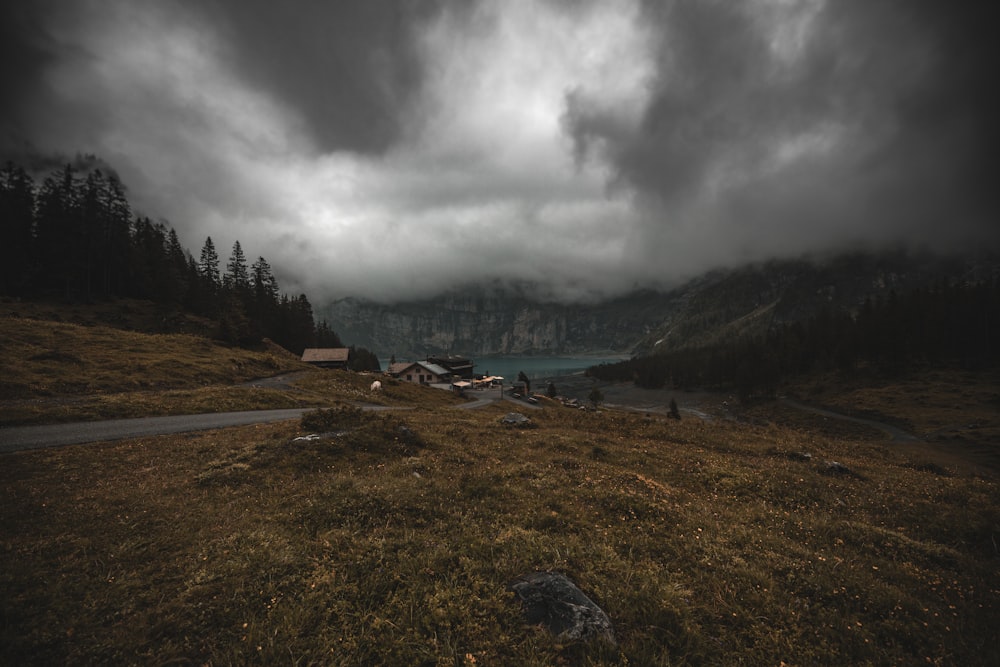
326, 357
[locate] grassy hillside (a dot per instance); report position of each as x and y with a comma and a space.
61, 371
392, 539
706, 543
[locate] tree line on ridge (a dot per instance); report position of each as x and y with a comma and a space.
948, 324
76, 237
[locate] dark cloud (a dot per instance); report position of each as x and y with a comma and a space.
587, 146
350, 68
879, 122
25, 51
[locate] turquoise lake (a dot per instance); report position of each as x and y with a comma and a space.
536, 368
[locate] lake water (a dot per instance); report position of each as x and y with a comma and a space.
537, 368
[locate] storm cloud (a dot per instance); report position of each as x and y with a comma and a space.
394, 149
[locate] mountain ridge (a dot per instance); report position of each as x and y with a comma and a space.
725, 303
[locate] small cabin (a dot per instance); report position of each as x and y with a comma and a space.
326, 357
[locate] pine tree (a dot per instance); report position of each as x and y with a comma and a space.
263, 311
237, 279
361, 359
58, 236
149, 271
17, 222
180, 277
209, 283
327, 337
295, 328
208, 267
115, 237
91, 220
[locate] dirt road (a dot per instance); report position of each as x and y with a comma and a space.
56, 435
18, 438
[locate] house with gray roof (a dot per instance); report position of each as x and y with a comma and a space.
420, 372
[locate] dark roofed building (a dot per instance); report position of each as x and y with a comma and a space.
460, 366
326, 357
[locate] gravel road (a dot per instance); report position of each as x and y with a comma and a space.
56, 435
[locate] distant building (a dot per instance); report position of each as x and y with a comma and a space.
460, 366
420, 372
326, 357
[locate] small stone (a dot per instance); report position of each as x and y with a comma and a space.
837, 468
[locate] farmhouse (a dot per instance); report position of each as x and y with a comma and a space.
420, 372
326, 357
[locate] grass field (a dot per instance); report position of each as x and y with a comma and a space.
392, 539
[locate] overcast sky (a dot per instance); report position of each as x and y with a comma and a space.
391, 149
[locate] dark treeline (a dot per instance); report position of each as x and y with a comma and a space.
76, 237
948, 324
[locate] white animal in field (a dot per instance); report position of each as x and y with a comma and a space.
377, 385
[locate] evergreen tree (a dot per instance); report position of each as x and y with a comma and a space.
327, 337
17, 222
236, 297
91, 220
237, 278
150, 270
208, 266
263, 311
58, 236
360, 359
115, 237
234, 325
179, 273
296, 328
209, 282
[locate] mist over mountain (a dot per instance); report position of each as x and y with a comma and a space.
492, 320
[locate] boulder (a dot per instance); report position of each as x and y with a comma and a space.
552, 600
515, 419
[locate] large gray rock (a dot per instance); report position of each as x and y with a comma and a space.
554, 601
515, 419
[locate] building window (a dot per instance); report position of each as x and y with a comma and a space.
409, 378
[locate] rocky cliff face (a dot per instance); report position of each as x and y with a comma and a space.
722, 304
480, 323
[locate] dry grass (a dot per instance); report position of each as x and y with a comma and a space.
957, 412
706, 543
61, 372
391, 540
45, 359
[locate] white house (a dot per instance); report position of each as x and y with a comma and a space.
419, 372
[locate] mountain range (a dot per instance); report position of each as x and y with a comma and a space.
504, 320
